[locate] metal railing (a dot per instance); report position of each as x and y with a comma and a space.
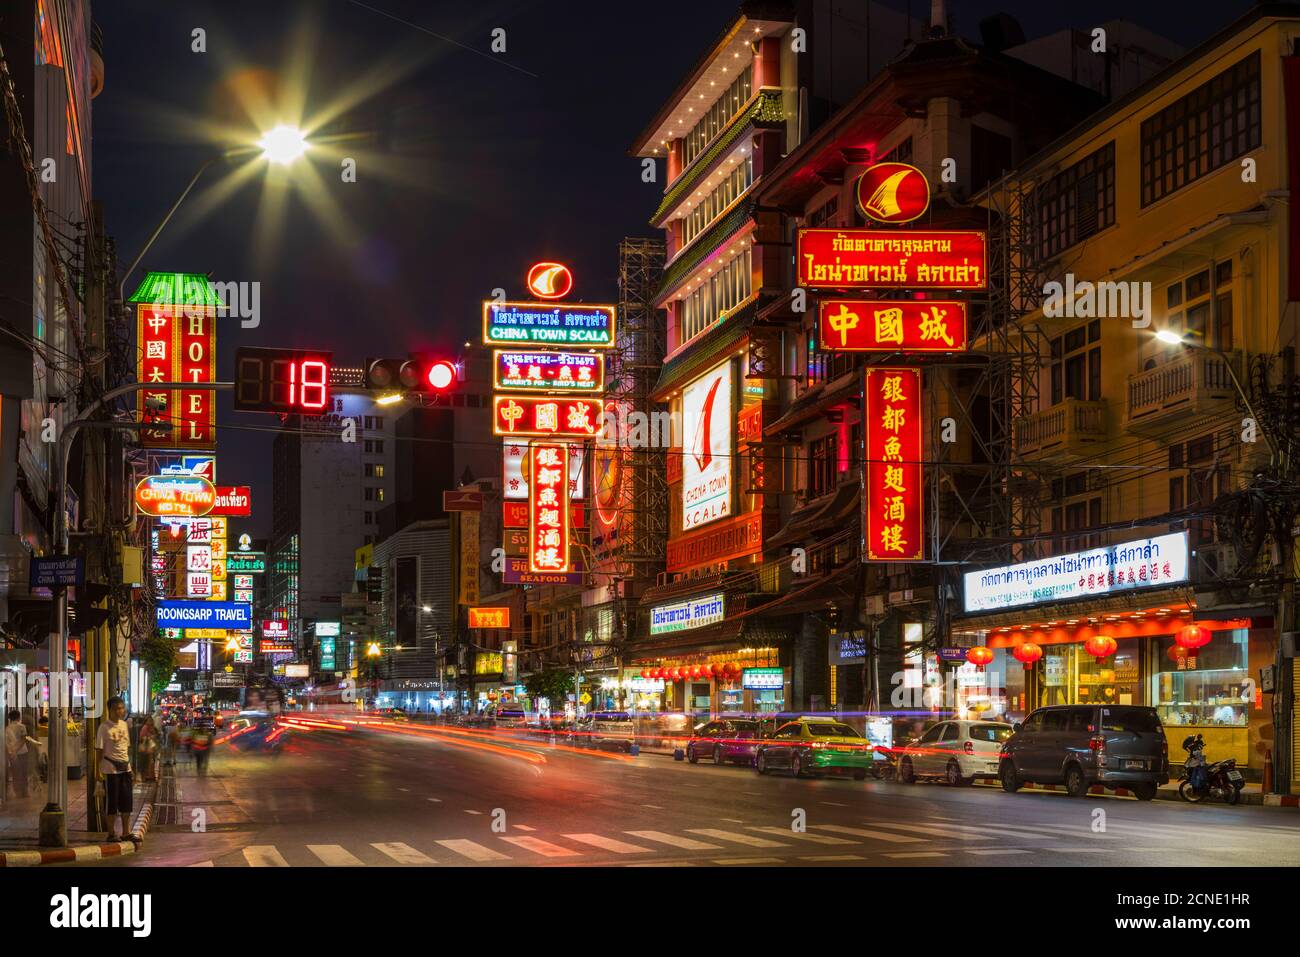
1056, 426
1178, 383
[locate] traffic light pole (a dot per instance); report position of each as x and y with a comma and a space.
53, 827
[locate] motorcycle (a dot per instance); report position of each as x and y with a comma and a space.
886, 767
1201, 779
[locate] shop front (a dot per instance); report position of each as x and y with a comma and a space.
1141, 645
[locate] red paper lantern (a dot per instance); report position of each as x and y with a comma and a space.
1101, 646
645, 674
716, 670
675, 673
979, 655
1180, 654
1027, 653
1193, 636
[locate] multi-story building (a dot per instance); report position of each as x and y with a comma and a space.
1161, 213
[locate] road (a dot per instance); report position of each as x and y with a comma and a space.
389, 797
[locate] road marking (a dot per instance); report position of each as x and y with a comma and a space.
264, 855
903, 854
953, 832
203, 864
1032, 830
685, 843
403, 789
833, 803
661, 864
655, 806
802, 836
475, 852
403, 853
332, 855
609, 844
434, 800
875, 835
544, 848
834, 857
721, 835
1081, 850
746, 860
731, 820
467, 811
991, 852
524, 827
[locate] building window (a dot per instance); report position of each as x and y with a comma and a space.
368, 445
369, 493
716, 293
1077, 202
1200, 308
1210, 686
369, 540
368, 469
1075, 508
379, 470
379, 494
369, 518
379, 446
369, 422
717, 201
1211, 126
1076, 364
824, 213
823, 461
902, 153
826, 366
716, 117
379, 421
472, 401
1200, 475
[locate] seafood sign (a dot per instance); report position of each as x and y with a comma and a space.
891, 259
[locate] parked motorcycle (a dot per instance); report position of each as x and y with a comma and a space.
1201, 779
886, 769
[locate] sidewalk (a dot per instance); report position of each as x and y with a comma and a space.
19, 834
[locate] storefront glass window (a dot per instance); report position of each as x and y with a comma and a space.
1209, 686
1072, 676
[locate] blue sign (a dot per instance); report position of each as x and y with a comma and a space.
204, 614
50, 572
953, 654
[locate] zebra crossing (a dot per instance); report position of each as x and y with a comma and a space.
931, 840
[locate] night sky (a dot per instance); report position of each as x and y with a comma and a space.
483, 163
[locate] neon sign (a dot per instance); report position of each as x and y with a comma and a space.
548, 508
893, 193
179, 495
550, 280
894, 498
549, 371
852, 258
526, 415
544, 323
892, 325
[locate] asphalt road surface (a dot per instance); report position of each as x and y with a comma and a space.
416, 797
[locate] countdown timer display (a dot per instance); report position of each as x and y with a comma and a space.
281, 380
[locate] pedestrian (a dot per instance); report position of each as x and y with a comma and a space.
16, 760
202, 743
113, 770
147, 748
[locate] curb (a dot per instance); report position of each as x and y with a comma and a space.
84, 852
1171, 794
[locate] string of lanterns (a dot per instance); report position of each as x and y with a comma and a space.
1099, 646
725, 670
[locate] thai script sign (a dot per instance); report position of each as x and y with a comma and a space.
891, 259
695, 613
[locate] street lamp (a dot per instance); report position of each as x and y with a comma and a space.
283, 144
1169, 337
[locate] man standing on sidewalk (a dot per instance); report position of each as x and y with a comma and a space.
16, 761
113, 769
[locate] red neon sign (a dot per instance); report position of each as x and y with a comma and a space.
892, 325
893, 193
894, 499
548, 508
858, 258
550, 280
525, 415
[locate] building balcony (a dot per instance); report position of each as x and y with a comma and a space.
1069, 430
1168, 397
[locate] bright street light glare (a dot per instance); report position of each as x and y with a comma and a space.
1171, 337
283, 145
389, 399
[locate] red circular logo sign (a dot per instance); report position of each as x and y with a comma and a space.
550, 280
893, 193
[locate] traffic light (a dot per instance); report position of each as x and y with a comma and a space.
419, 373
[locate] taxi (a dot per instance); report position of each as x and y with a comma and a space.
815, 744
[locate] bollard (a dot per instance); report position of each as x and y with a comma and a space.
679, 754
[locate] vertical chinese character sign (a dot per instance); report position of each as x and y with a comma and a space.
176, 341
548, 508
894, 495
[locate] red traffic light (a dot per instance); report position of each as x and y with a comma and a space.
441, 375
415, 374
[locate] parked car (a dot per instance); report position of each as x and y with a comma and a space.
606, 730
510, 719
812, 745
727, 740
1083, 745
956, 751
390, 714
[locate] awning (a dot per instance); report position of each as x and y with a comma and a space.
833, 510
1095, 607
812, 404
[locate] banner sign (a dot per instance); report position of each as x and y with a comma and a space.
489, 617
469, 558
762, 679
1161, 561
732, 538
203, 614
893, 521
52, 572
177, 343
529, 415
233, 500
545, 323
708, 427
514, 481
174, 495
515, 515
694, 613
517, 573
549, 371
891, 325
855, 258
848, 648
548, 509
275, 648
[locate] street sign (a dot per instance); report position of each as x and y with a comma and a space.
470, 501
49, 572
203, 614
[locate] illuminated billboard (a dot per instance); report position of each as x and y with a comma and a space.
182, 496
529, 415
515, 469
537, 371
546, 323
708, 428
893, 522
856, 258
891, 325
548, 509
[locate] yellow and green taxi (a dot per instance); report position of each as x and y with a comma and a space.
813, 745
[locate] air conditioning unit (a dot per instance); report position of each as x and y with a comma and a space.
1215, 563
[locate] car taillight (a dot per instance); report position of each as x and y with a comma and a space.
820, 744
969, 747
1097, 743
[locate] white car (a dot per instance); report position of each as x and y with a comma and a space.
956, 751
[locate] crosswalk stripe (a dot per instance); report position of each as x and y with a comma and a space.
203, 864
264, 855
874, 835
903, 854
1080, 850
1030, 829
991, 851
950, 831
609, 844
660, 864
475, 852
332, 855
834, 857
722, 835
685, 843
746, 860
804, 836
402, 853
1002, 829
524, 827
544, 848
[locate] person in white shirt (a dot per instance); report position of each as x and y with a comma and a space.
113, 769
16, 751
